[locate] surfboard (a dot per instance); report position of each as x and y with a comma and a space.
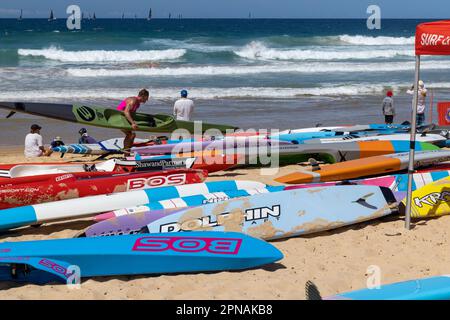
288, 153
430, 138
366, 167
139, 194
49, 260
112, 166
22, 192
432, 288
431, 200
396, 182
109, 146
284, 214
197, 146
110, 118
189, 201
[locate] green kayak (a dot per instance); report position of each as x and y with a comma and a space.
109, 118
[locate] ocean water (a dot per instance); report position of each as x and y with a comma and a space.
248, 72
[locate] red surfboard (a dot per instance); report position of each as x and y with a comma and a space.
45, 188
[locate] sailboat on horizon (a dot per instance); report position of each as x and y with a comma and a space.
52, 16
94, 17
123, 15
20, 17
149, 15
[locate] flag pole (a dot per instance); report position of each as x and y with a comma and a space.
412, 143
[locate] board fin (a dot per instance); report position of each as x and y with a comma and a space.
311, 291
10, 114
314, 164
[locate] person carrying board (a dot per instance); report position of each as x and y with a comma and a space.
129, 106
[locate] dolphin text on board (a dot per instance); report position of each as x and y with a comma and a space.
252, 215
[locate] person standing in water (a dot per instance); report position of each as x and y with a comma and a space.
183, 107
421, 95
129, 107
388, 108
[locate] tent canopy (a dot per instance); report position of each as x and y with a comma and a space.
433, 38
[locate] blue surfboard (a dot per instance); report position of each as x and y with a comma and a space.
285, 213
47, 260
433, 288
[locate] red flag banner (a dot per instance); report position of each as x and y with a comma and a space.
433, 38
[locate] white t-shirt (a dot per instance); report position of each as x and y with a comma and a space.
421, 95
32, 143
183, 109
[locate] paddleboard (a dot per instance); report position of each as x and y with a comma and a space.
189, 201
22, 192
114, 145
430, 138
431, 200
113, 165
49, 260
284, 214
366, 167
433, 288
396, 182
161, 124
74, 208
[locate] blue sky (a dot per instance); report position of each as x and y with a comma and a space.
428, 9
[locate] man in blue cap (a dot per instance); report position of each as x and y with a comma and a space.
183, 107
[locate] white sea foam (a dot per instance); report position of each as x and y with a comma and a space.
213, 93
376, 41
103, 55
307, 67
257, 50
193, 46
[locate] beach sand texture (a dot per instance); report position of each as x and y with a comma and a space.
335, 261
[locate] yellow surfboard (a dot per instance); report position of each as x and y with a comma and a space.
431, 200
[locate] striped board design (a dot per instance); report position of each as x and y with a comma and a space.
74, 208
285, 213
433, 288
366, 167
114, 145
49, 260
431, 200
189, 201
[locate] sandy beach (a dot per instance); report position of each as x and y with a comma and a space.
335, 261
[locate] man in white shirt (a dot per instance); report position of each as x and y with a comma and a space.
34, 146
183, 107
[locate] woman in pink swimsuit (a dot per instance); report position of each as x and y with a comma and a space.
129, 106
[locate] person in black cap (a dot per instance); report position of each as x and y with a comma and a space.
85, 137
34, 146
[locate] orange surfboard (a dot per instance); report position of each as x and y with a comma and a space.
365, 167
